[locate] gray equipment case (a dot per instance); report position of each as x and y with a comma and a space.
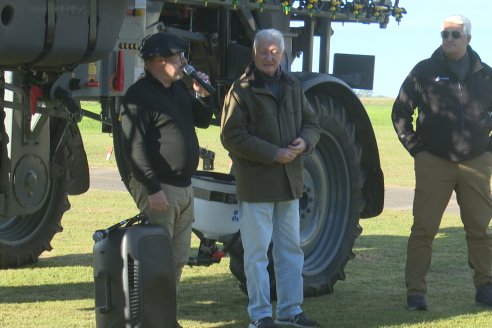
134, 276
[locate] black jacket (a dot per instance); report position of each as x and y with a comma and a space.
159, 136
454, 120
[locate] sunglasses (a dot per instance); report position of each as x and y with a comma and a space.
454, 34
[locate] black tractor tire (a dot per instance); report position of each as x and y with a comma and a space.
330, 207
24, 238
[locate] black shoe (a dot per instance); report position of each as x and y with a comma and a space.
299, 320
416, 303
484, 295
266, 322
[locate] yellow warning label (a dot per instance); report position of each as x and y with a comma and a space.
92, 69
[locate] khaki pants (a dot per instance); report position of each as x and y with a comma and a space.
177, 219
436, 179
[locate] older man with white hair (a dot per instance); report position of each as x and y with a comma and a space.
451, 146
267, 125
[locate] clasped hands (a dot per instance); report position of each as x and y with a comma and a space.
287, 155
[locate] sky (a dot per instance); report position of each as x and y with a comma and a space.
399, 47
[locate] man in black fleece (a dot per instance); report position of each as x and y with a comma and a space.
451, 148
158, 120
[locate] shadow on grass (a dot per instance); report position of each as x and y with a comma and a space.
69, 260
47, 292
373, 295
218, 299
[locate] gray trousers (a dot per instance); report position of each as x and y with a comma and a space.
436, 179
177, 219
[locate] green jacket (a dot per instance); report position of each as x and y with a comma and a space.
255, 124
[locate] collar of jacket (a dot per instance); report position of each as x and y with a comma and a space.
255, 80
475, 61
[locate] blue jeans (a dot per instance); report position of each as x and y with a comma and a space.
278, 222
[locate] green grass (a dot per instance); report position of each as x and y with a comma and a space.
58, 291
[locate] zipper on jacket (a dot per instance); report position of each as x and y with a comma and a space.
278, 122
279, 104
269, 93
462, 118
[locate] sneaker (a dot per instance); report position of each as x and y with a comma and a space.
484, 295
416, 303
266, 322
299, 320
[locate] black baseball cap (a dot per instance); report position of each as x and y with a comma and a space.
162, 44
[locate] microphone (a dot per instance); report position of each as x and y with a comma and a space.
191, 71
